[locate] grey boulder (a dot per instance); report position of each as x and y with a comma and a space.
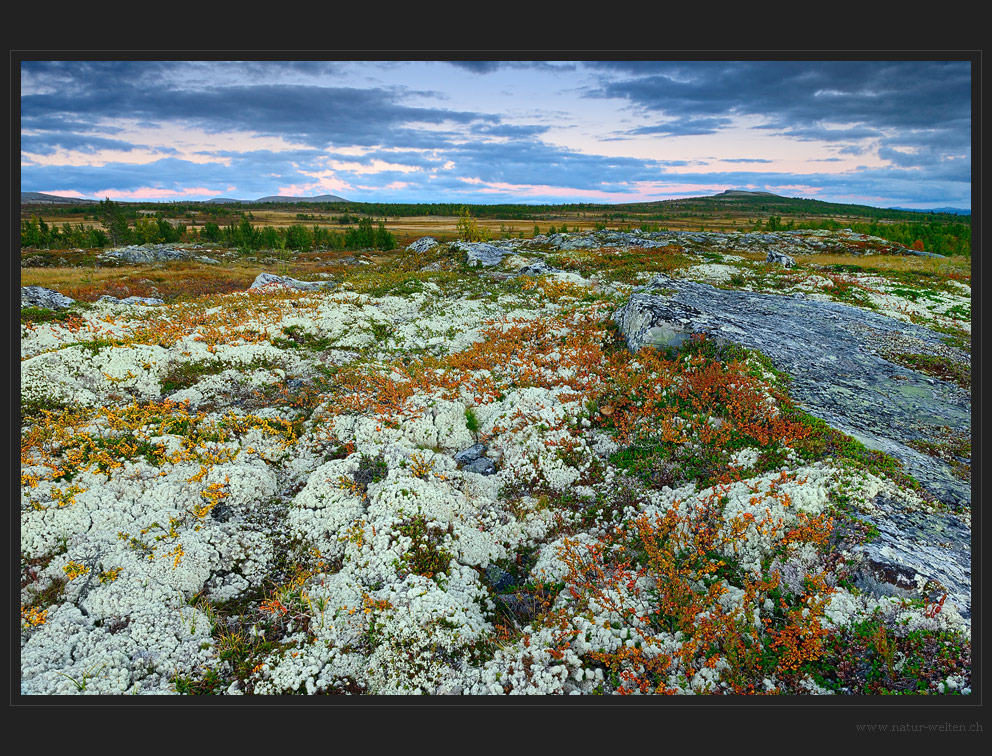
483, 253
780, 257
423, 244
470, 454
39, 296
266, 279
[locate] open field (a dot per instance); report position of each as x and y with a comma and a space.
410, 222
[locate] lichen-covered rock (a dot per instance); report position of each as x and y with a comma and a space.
131, 300
270, 279
483, 253
39, 296
423, 244
780, 258
146, 253
539, 268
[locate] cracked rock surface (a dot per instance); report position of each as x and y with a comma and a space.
831, 351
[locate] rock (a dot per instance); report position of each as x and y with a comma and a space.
483, 253
221, 513
268, 279
39, 296
829, 350
915, 555
131, 300
780, 258
207, 260
482, 466
919, 253
146, 253
423, 244
538, 268
470, 454
497, 578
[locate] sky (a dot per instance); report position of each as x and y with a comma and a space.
880, 133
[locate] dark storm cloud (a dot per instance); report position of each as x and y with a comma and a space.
49, 143
127, 177
478, 66
800, 95
313, 114
820, 134
515, 163
490, 66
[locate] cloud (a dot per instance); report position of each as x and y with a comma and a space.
477, 66
685, 127
315, 115
797, 98
509, 130
363, 129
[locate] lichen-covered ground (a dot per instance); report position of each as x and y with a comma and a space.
259, 493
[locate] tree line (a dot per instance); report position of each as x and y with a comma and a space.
942, 238
118, 230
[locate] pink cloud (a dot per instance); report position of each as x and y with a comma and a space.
151, 192
795, 189
326, 182
642, 191
393, 185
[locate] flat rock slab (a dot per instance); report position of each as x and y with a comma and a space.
831, 351
917, 555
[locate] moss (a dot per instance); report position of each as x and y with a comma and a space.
182, 375
45, 315
296, 338
938, 367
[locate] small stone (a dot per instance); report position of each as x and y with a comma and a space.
498, 579
470, 454
482, 466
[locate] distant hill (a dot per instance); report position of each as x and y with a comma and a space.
319, 198
732, 193
39, 198
275, 198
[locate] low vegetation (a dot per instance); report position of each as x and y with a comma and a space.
279, 466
